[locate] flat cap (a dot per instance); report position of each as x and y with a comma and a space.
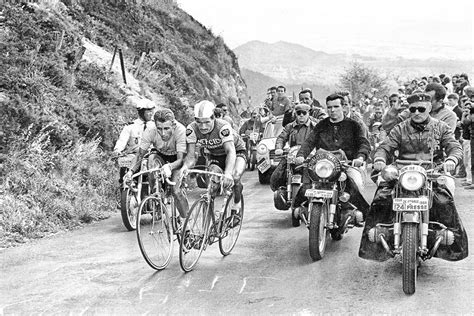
302, 106
419, 97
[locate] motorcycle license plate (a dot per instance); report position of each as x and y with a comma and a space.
326, 194
263, 165
410, 204
296, 178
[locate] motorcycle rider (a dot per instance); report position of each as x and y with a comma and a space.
168, 138
226, 148
131, 134
333, 133
252, 124
306, 96
295, 133
421, 137
437, 93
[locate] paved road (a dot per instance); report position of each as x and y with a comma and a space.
99, 269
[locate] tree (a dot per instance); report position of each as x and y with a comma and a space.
360, 79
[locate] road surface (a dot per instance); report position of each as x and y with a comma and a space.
100, 270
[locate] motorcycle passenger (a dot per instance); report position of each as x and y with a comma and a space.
333, 133
295, 133
418, 138
168, 138
306, 96
131, 134
224, 109
227, 149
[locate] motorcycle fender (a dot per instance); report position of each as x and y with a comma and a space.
317, 200
411, 217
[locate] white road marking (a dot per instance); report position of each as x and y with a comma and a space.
214, 281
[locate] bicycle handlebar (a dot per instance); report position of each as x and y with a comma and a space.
153, 170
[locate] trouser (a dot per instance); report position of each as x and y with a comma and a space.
467, 158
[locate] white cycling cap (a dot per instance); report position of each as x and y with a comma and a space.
204, 109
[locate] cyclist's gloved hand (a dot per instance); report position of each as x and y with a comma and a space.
299, 160
278, 152
166, 170
228, 181
358, 162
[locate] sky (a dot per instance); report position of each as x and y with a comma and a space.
407, 28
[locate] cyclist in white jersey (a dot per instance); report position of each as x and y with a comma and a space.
227, 149
168, 138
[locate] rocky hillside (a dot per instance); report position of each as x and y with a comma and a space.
62, 104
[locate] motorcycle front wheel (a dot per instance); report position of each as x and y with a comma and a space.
318, 232
409, 257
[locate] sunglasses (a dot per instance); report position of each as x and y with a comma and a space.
419, 108
300, 112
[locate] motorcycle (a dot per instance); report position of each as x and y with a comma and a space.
284, 198
329, 212
411, 234
251, 142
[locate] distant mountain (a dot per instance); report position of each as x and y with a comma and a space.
294, 63
257, 85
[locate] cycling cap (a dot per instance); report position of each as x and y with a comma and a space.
144, 104
204, 109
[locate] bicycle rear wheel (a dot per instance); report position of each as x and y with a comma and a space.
155, 233
129, 206
194, 235
231, 223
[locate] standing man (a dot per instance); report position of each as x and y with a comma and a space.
281, 103
349, 113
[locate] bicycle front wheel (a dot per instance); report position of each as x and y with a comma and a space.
155, 233
194, 235
231, 223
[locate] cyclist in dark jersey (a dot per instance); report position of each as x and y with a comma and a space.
227, 149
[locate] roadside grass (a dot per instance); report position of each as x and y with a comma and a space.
45, 192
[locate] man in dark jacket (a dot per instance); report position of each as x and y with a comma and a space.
295, 133
334, 133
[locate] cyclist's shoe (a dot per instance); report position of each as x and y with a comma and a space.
235, 217
238, 187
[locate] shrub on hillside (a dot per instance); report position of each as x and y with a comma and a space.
45, 192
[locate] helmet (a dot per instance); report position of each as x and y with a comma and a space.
204, 109
144, 104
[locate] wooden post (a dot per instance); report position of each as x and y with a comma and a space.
60, 41
142, 57
122, 65
113, 58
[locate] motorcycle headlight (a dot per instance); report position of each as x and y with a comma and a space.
262, 149
324, 168
389, 173
412, 180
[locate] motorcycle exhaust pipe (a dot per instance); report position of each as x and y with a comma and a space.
386, 246
445, 237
